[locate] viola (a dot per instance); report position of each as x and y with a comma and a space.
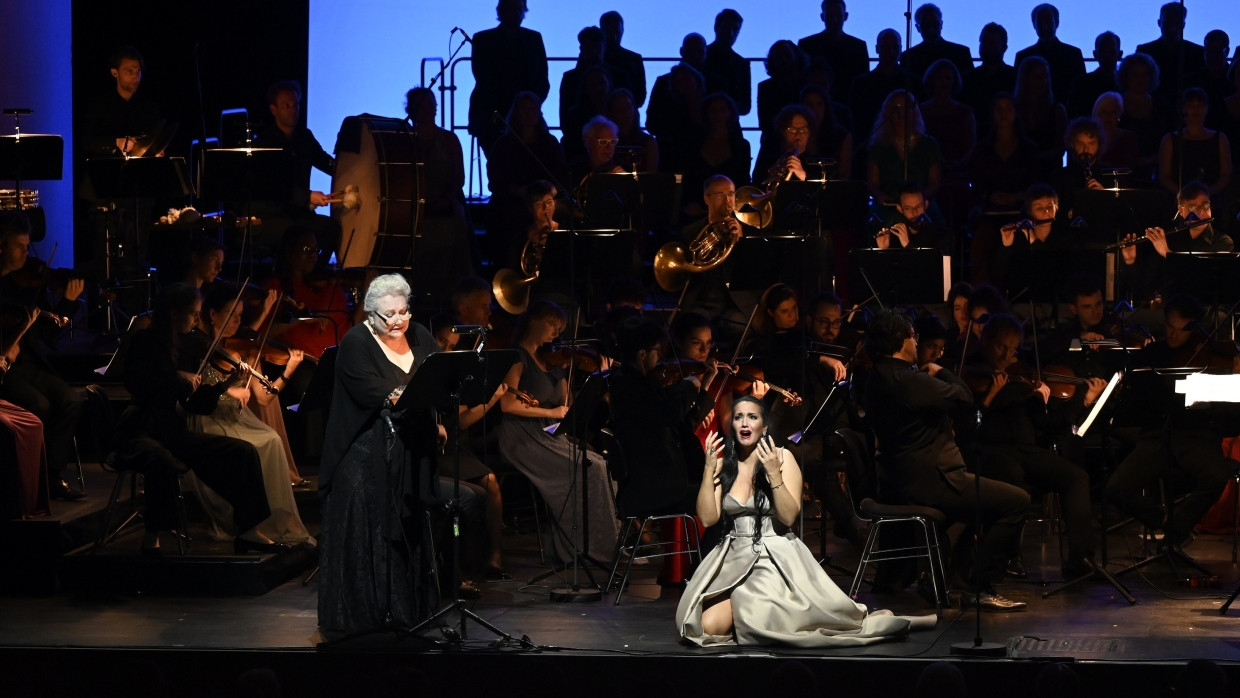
583, 358
523, 396
272, 351
227, 362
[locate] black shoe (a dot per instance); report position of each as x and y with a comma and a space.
993, 603
1016, 568
241, 546
925, 589
59, 489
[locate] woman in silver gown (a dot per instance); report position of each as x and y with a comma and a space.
757, 587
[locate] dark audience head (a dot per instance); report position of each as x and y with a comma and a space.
899, 116
834, 14
1057, 679
888, 46
511, 13
526, 112
785, 60
420, 105
817, 99
887, 332
1107, 49
1216, 47
713, 107
1033, 81
1200, 678
941, 680
693, 50
590, 45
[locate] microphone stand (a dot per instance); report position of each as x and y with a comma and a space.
443, 113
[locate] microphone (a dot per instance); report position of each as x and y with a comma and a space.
463, 34
386, 415
468, 329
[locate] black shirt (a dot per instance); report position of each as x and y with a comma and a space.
305, 152
112, 116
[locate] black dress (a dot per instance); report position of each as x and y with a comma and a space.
372, 527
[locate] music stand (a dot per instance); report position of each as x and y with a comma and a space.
318, 393
1213, 275
1096, 569
910, 276
821, 428
804, 262
612, 200
1154, 387
660, 194
1111, 213
576, 427
580, 264
839, 204
246, 175
447, 381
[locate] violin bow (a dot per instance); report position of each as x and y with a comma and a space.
219, 335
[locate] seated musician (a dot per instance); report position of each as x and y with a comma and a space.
1143, 273
475, 474
790, 137
1084, 143
648, 419
23, 480
26, 378
1090, 322
1014, 413
910, 409
1040, 230
708, 293
116, 121
911, 225
600, 137
323, 305
470, 304
1179, 444
286, 131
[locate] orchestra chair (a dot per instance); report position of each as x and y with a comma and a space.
861, 485
633, 526
128, 463
503, 472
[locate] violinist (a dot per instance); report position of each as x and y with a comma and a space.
548, 461
960, 324
1014, 413
1090, 322
1181, 445
219, 319
648, 418
314, 292
152, 433
475, 474
1143, 272
26, 378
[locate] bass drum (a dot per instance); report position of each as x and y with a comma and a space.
380, 211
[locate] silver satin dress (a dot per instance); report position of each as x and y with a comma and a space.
779, 594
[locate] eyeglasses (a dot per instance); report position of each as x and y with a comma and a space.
308, 250
828, 322
796, 131
608, 141
393, 317
1196, 208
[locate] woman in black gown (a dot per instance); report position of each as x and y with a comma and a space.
371, 476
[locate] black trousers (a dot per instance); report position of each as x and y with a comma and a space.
1194, 457
1002, 508
229, 466
1036, 469
29, 385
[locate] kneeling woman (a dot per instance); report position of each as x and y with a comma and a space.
757, 587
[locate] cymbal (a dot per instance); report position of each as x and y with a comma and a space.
246, 150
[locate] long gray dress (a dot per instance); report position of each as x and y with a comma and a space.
549, 462
779, 594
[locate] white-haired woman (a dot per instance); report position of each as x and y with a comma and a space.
369, 473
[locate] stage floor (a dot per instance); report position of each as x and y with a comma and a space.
1171, 623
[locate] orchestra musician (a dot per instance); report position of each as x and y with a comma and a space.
315, 292
286, 131
26, 377
708, 292
910, 410
1013, 403
1179, 444
1143, 274
117, 120
219, 320
548, 460
911, 224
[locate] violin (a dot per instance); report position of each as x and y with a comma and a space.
226, 362
583, 358
529, 400
272, 351
980, 377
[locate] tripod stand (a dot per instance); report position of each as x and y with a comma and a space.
458, 378
575, 426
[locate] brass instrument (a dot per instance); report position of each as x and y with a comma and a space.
512, 288
760, 199
673, 264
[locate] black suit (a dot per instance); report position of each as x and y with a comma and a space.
649, 422
848, 56
1085, 90
1067, 63
734, 69
919, 463
918, 59
505, 61
1176, 61
628, 71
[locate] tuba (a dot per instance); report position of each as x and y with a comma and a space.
760, 198
673, 264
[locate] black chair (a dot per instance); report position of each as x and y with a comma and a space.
862, 490
634, 526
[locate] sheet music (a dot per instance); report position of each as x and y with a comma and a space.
1102, 400
1201, 388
